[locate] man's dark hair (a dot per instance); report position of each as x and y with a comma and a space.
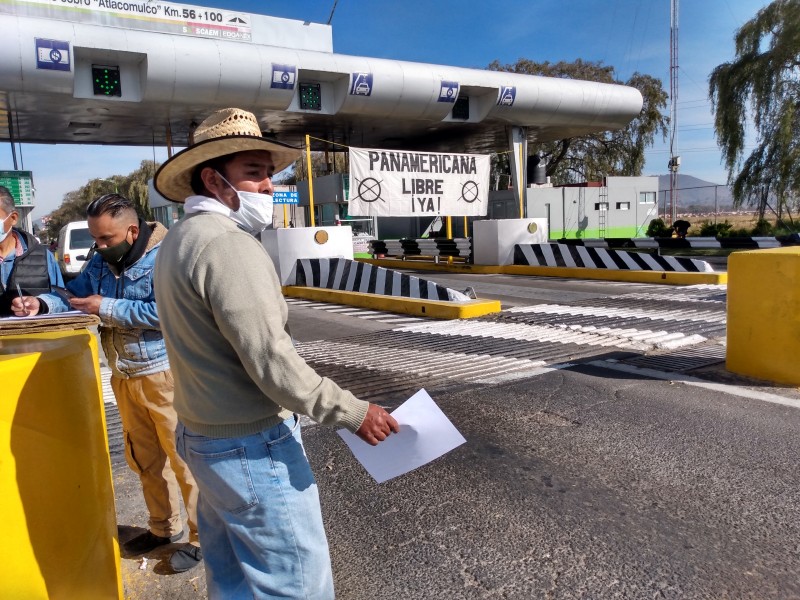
112, 205
218, 164
6, 201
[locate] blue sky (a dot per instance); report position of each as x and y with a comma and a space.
627, 34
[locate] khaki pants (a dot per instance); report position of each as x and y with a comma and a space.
148, 423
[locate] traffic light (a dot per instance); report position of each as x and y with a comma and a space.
106, 81
310, 96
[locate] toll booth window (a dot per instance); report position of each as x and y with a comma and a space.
461, 108
106, 81
310, 96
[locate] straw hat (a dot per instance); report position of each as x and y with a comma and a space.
226, 131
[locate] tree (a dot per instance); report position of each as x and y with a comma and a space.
322, 163
602, 154
762, 86
133, 186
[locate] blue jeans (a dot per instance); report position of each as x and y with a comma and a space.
259, 516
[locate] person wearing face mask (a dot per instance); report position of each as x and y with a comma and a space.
117, 286
25, 264
239, 382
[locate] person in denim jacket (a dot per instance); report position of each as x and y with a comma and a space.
26, 266
117, 286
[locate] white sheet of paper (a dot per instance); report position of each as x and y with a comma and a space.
425, 435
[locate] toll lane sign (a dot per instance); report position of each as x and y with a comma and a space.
52, 55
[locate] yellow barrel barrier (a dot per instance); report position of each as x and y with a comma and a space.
56, 495
764, 314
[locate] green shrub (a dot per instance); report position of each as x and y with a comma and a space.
658, 228
709, 229
741, 232
763, 228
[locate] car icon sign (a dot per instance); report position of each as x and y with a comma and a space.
362, 88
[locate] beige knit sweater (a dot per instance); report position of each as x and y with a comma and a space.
224, 322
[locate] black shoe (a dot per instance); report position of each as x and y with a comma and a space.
188, 556
148, 541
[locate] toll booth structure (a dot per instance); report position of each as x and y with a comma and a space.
56, 492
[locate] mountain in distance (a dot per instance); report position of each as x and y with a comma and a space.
696, 195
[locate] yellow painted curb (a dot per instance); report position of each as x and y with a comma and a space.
434, 309
662, 277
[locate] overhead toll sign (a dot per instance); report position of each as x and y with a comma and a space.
283, 76
361, 84
507, 95
20, 184
397, 183
165, 17
448, 91
52, 55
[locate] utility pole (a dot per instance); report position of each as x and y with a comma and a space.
674, 158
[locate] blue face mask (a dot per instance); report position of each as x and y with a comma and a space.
3, 231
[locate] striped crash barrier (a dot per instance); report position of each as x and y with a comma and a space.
352, 276
570, 255
740, 243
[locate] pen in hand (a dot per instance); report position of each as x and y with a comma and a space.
22, 299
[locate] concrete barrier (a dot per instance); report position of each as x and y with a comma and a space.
352, 276
59, 535
564, 255
688, 243
764, 314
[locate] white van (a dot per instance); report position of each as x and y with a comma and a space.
74, 242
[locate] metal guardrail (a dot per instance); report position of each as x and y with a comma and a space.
741, 243
424, 248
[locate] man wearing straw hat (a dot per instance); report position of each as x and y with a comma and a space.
239, 383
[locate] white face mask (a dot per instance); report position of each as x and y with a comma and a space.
4, 232
255, 210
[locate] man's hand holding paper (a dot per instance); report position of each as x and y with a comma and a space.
377, 425
424, 433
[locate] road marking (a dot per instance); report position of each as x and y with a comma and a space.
610, 311
629, 339
507, 377
105, 380
361, 313
694, 381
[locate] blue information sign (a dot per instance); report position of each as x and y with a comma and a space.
285, 198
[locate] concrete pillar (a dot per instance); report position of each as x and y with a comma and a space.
764, 314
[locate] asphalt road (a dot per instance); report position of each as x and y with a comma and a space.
587, 472
578, 483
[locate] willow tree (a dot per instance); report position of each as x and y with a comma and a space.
133, 186
762, 86
597, 155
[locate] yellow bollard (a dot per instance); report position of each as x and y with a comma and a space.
764, 314
56, 493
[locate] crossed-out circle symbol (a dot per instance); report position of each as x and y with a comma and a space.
450, 92
369, 190
55, 55
285, 77
469, 192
